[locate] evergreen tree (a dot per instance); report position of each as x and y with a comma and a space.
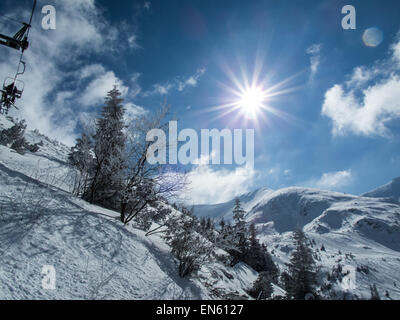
258, 257
109, 153
16, 132
262, 288
15, 137
301, 276
209, 224
222, 224
81, 154
225, 237
239, 232
81, 157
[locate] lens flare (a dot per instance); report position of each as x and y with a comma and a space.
372, 37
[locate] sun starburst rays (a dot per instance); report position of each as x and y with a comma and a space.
249, 99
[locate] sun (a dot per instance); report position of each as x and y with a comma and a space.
248, 98
251, 101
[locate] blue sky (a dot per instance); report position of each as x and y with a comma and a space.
339, 125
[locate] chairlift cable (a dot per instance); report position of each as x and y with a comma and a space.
27, 34
11, 19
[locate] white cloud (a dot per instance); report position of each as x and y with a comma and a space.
160, 89
209, 185
133, 42
132, 111
396, 49
366, 103
361, 75
52, 95
98, 88
134, 86
333, 180
91, 70
315, 59
177, 84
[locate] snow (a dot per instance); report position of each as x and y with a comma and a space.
94, 256
48, 165
366, 232
45, 226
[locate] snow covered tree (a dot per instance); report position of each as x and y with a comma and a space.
146, 183
202, 224
222, 223
258, 257
19, 145
144, 206
15, 137
262, 288
81, 157
109, 153
240, 242
16, 132
210, 224
300, 279
226, 238
254, 254
190, 248
206, 227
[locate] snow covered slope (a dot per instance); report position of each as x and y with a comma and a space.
224, 210
389, 190
93, 255
48, 165
357, 232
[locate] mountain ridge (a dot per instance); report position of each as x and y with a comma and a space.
389, 190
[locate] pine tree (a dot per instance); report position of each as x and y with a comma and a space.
81, 157
81, 154
16, 132
239, 232
225, 237
15, 137
301, 276
258, 257
109, 151
238, 212
262, 288
222, 224
210, 224
254, 255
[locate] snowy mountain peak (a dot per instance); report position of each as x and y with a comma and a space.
390, 190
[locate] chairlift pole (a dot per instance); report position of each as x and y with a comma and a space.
20, 39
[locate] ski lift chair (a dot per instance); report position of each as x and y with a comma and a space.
12, 90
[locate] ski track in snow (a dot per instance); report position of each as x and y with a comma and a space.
93, 254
